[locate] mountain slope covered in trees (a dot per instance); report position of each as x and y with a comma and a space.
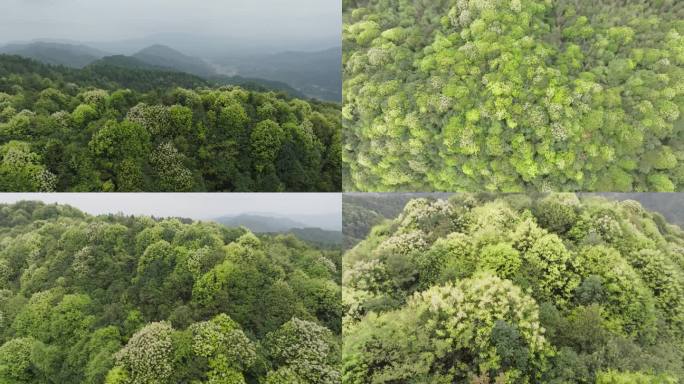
513, 289
362, 211
300, 74
163, 56
68, 55
111, 128
136, 300
514, 95
122, 62
316, 74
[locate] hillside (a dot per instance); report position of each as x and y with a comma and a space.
257, 84
283, 225
362, 211
111, 128
129, 62
316, 74
299, 74
68, 55
671, 206
164, 56
318, 236
516, 289
124, 299
260, 223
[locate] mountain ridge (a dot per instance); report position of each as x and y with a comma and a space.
69, 55
301, 74
279, 224
165, 56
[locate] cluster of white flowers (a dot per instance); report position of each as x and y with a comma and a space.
353, 301
480, 303
608, 228
168, 162
303, 347
82, 260
46, 181
632, 206
19, 156
558, 131
95, 97
378, 56
195, 261
147, 356
220, 336
366, 275
403, 244
419, 212
329, 264
154, 118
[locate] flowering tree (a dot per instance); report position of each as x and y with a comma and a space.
515, 289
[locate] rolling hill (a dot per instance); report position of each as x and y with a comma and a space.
164, 56
68, 55
255, 84
260, 223
316, 74
298, 74
263, 223
128, 62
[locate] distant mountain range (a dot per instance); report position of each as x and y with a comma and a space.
163, 56
140, 62
300, 74
68, 55
317, 74
259, 223
264, 223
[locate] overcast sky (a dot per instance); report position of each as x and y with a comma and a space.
193, 205
109, 20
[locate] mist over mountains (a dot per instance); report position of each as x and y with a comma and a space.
319, 229
314, 74
274, 222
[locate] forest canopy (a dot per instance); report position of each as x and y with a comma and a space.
110, 128
513, 95
136, 300
516, 289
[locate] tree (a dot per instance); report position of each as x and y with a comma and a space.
306, 349
21, 169
229, 351
266, 139
146, 358
18, 362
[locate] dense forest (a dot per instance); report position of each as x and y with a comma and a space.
135, 300
513, 95
362, 211
516, 289
115, 128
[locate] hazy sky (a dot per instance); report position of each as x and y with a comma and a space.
192, 205
109, 20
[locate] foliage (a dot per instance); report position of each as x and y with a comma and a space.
108, 128
516, 289
513, 95
123, 299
